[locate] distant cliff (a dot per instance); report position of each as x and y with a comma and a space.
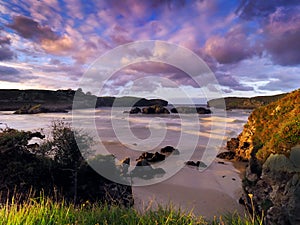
60, 100
243, 103
270, 142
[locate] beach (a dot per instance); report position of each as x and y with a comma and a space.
210, 192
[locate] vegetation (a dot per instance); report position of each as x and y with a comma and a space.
38, 101
243, 103
56, 168
43, 210
277, 126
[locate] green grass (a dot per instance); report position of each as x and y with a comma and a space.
44, 211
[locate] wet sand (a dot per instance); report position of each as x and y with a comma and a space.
209, 193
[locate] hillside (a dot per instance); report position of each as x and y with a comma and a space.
13, 99
274, 128
270, 142
243, 103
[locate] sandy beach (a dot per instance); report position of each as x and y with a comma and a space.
209, 193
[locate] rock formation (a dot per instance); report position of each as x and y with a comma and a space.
189, 110
155, 109
270, 143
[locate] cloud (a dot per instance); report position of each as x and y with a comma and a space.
9, 74
5, 41
257, 8
30, 29
59, 46
282, 35
43, 35
231, 48
227, 80
5, 52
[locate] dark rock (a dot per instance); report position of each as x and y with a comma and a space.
157, 157
196, 164
226, 155
135, 110
174, 110
144, 170
125, 163
201, 110
191, 163
167, 149
189, 110
220, 162
28, 109
155, 109
142, 163
145, 155
232, 144
241, 201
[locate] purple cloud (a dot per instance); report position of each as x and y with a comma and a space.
5, 52
257, 8
282, 33
227, 80
29, 28
231, 48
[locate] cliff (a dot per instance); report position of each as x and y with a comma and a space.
243, 103
270, 143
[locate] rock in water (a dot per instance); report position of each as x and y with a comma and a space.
135, 110
155, 109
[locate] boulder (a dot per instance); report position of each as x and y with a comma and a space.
201, 110
157, 157
226, 155
145, 155
168, 149
135, 110
196, 164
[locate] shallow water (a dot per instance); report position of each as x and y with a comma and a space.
197, 137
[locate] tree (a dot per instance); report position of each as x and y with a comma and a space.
63, 147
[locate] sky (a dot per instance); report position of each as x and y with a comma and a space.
251, 46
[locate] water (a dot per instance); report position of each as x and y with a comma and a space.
197, 137
127, 135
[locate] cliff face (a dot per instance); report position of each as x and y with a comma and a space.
270, 143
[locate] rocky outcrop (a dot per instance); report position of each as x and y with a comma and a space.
189, 110
144, 170
135, 110
29, 109
155, 109
128, 101
270, 143
277, 190
169, 150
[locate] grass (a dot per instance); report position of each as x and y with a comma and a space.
44, 211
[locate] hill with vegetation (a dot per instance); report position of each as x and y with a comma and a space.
243, 103
37, 101
270, 142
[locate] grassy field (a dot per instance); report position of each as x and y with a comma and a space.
42, 211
